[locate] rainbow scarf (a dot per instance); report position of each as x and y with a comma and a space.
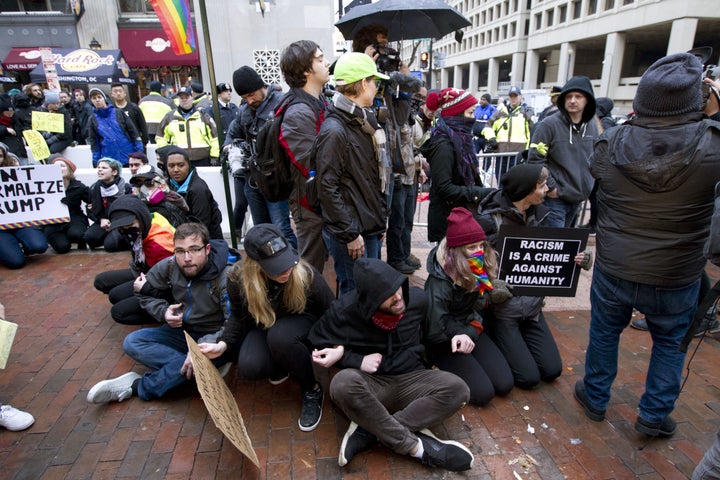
175, 19
477, 267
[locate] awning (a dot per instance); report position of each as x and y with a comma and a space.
22, 58
151, 48
87, 66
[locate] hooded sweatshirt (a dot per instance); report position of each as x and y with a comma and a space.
564, 148
348, 321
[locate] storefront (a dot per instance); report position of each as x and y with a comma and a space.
150, 56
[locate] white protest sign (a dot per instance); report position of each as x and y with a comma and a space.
31, 195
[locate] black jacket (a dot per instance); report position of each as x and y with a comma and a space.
76, 194
202, 204
100, 204
134, 113
248, 122
348, 180
348, 321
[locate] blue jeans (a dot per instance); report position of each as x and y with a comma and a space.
562, 214
241, 204
400, 222
163, 349
16, 243
344, 264
277, 213
669, 312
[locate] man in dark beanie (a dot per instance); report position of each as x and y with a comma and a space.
563, 143
656, 176
259, 103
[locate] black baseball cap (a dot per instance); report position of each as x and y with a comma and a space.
265, 244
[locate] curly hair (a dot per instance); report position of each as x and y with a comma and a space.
367, 35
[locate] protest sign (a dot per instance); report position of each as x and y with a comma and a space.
539, 261
48, 122
31, 195
219, 401
38, 145
7, 335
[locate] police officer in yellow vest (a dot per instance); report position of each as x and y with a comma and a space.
190, 129
508, 129
154, 108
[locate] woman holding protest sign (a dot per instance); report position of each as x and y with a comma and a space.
16, 243
516, 323
458, 289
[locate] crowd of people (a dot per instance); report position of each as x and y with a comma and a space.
364, 150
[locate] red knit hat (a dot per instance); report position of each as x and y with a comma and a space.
450, 101
69, 163
463, 229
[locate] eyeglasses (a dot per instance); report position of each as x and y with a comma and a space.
274, 246
180, 252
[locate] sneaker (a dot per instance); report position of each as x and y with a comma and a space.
403, 268
581, 396
656, 429
114, 389
709, 323
278, 380
14, 419
356, 440
311, 411
639, 324
224, 369
447, 454
413, 261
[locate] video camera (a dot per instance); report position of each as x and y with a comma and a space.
709, 71
388, 58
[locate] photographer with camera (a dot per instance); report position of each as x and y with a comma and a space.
393, 110
259, 104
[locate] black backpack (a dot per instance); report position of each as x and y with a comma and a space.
270, 165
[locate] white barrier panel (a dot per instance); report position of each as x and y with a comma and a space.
211, 175
81, 155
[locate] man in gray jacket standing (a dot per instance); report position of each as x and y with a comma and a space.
195, 278
656, 176
563, 143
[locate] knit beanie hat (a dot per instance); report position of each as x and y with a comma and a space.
95, 91
463, 229
520, 181
67, 162
450, 101
671, 86
246, 80
156, 86
487, 97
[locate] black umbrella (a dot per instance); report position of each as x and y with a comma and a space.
405, 19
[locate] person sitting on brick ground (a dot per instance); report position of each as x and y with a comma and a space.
109, 187
275, 298
656, 179
373, 334
61, 236
152, 188
11, 418
516, 323
195, 279
457, 282
150, 236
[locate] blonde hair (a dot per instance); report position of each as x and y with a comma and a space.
252, 279
457, 268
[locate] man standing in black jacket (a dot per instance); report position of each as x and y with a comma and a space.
373, 334
133, 112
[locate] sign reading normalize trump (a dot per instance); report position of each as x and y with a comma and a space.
540, 261
31, 195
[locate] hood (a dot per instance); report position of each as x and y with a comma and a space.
217, 260
604, 107
132, 205
375, 282
21, 100
580, 84
658, 157
104, 112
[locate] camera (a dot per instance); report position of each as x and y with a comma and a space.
388, 58
712, 72
238, 156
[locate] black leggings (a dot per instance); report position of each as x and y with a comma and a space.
126, 309
281, 349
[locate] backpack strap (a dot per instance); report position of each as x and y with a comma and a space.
292, 99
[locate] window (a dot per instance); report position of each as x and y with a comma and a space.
577, 9
513, 29
141, 6
562, 14
538, 21
34, 6
592, 7
549, 15
609, 4
628, 2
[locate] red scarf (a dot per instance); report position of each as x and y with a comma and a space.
387, 321
5, 121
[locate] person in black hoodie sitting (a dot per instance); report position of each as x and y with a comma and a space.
61, 236
373, 334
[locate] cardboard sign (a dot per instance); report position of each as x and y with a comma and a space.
219, 401
48, 122
31, 195
540, 261
7, 335
38, 145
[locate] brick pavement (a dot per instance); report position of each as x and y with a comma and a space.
67, 341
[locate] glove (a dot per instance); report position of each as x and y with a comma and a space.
501, 292
214, 162
491, 145
587, 261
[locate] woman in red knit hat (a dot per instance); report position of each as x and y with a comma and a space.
458, 287
454, 174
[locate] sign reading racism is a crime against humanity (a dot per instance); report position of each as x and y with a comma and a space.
540, 261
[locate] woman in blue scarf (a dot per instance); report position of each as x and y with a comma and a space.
454, 174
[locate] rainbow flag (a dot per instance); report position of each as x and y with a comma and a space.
175, 18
